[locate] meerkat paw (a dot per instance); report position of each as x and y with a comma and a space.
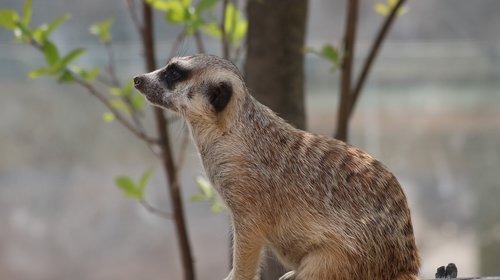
288, 276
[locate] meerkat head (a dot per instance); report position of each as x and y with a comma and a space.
199, 88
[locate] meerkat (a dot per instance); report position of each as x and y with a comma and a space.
327, 209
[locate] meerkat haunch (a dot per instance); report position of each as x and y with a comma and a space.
327, 209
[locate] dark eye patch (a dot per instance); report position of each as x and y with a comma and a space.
173, 74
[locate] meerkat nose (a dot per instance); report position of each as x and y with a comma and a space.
138, 82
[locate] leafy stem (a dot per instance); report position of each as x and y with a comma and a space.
118, 115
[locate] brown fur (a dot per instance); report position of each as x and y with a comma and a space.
327, 209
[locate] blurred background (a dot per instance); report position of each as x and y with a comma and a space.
430, 111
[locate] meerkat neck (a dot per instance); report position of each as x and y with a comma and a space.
248, 117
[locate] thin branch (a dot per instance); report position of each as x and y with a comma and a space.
373, 54
346, 69
180, 37
242, 47
166, 152
153, 210
173, 118
183, 149
101, 97
238, 52
93, 91
233, 29
199, 42
135, 19
105, 81
224, 38
134, 113
115, 81
111, 65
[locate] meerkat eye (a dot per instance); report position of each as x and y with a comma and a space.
173, 74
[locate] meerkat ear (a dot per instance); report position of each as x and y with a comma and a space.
219, 95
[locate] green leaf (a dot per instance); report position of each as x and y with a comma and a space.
66, 77
90, 76
382, 9
186, 3
128, 88
212, 29
176, 13
386, 9
22, 33
102, 30
120, 105
127, 185
330, 53
74, 54
229, 18
159, 4
402, 10
240, 32
193, 21
51, 53
53, 25
205, 187
198, 198
205, 5
392, 3
35, 73
143, 182
115, 91
217, 207
234, 24
87, 75
42, 32
27, 12
137, 102
8, 19
108, 117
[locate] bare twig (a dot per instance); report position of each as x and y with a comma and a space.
153, 210
101, 97
167, 156
105, 81
133, 15
233, 27
242, 47
182, 149
105, 101
176, 44
238, 52
111, 65
116, 83
373, 54
173, 118
224, 38
199, 42
346, 69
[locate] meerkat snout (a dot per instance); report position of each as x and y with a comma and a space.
138, 82
148, 84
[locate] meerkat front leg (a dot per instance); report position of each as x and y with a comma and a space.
247, 248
